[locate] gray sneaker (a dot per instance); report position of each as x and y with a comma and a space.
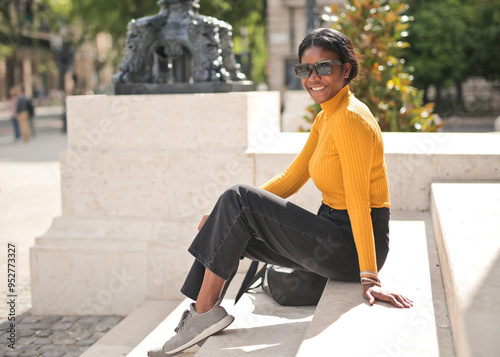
194, 328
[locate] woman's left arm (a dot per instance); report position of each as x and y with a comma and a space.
355, 140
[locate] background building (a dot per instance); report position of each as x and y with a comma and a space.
48, 57
287, 22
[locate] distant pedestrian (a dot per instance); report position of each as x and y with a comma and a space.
13, 112
23, 115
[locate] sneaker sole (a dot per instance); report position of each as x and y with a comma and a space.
218, 326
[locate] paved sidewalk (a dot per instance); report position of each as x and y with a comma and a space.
29, 199
55, 336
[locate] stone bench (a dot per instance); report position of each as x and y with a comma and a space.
260, 324
466, 219
343, 323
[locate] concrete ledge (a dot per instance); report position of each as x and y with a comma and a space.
262, 328
345, 325
467, 224
414, 161
162, 332
177, 122
131, 330
165, 321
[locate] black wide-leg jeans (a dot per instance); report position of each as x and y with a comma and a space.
253, 223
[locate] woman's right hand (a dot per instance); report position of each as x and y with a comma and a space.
203, 220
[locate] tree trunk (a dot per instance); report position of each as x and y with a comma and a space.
438, 94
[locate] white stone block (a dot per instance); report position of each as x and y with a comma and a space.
85, 281
263, 118
167, 269
466, 219
296, 103
414, 161
410, 175
66, 227
269, 165
168, 122
150, 184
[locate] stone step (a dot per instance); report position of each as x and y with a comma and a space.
345, 325
163, 330
262, 328
125, 336
466, 220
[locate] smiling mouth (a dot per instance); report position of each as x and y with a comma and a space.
317, 89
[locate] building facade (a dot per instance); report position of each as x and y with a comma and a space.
37, 64
287, 26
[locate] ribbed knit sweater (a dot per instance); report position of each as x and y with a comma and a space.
344, 155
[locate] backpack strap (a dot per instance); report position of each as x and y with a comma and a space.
250, 279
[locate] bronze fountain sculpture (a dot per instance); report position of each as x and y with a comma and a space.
179, 51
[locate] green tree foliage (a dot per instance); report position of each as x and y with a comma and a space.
18, 25
376, 28
440, 50
249, 15
485, 39
452, 40
111, 16
25, 24
8, 29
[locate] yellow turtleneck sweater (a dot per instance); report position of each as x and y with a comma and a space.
344, 155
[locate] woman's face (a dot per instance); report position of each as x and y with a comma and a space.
324, 88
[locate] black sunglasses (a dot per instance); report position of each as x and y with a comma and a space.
323, 68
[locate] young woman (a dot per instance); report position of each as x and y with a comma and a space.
349, 237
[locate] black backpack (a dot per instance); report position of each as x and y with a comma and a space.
288, 287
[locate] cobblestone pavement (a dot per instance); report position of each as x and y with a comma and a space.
54, 336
